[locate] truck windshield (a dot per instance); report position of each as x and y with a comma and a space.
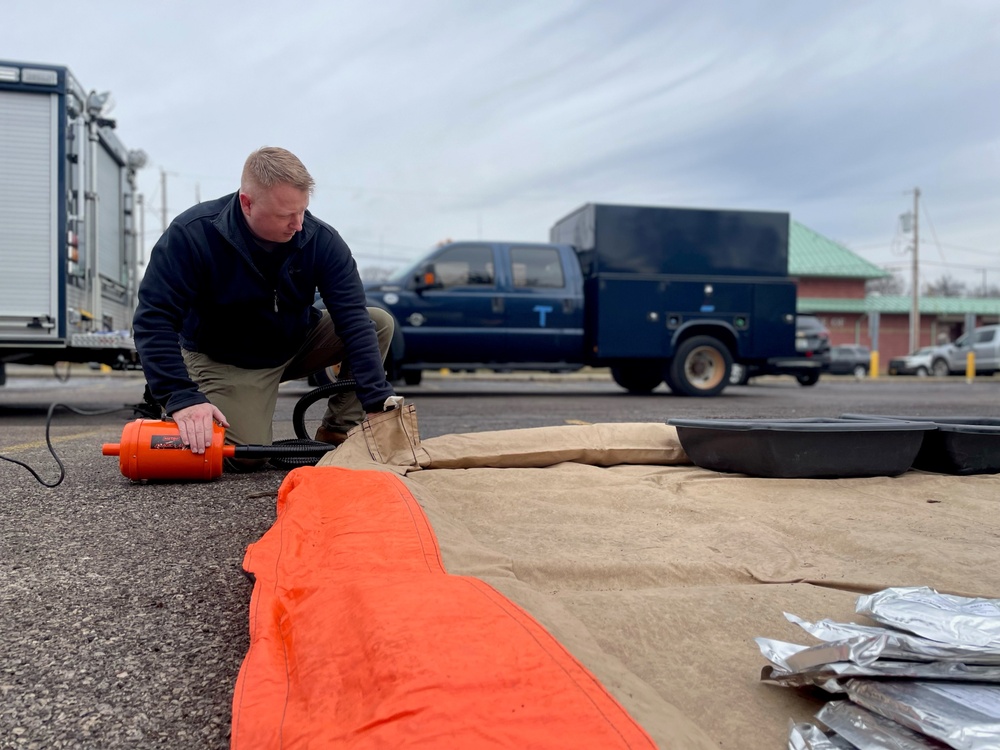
404, 274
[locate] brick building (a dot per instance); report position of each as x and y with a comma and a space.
831, 285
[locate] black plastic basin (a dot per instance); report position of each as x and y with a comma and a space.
802, 448
959, 445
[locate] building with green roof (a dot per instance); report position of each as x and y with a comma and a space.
812, 255
831, 285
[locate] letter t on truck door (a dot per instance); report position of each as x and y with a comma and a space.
544, 316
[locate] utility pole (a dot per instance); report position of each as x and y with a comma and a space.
163, 198
915, 301
140, 201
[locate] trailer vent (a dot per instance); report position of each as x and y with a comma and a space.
9, 75
39, 76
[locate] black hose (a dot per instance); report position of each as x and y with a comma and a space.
324, 391
313, 451
283, 448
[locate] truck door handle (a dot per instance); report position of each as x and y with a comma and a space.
498, 304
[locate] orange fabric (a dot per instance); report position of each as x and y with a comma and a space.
359, 638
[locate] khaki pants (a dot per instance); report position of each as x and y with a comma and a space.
248, 397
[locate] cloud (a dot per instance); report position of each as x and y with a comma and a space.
448, 118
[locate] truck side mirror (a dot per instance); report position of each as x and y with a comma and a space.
426, 278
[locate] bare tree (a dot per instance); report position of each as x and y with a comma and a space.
887, 285
945, 286
375, 274
980, 292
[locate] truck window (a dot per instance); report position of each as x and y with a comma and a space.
467, 265
984, 337
536, 267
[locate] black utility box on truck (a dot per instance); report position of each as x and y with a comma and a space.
687, 241
654, 294
656, 277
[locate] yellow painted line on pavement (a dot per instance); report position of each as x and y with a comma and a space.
576, 421
41, 443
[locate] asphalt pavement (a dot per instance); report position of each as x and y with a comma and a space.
124, 605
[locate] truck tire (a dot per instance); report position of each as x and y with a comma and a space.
641, 377
701, 367
940, 368
808, 378
739, 374
412, 377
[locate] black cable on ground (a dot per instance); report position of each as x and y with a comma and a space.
48, 440
295, 448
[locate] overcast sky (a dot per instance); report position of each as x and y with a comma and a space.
430, 119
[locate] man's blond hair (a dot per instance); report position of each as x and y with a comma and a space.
270, 166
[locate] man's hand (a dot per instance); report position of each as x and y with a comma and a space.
195, 425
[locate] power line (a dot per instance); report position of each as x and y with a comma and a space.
927, 214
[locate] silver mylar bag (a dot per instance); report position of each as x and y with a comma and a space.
895, 644
958, 620
805, 736
963, 716
865, 729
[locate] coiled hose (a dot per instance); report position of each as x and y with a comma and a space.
303, 439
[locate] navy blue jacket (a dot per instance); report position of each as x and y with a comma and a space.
201, 291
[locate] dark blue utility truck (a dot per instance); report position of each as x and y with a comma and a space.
655, 294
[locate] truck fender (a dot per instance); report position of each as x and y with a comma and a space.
723, 330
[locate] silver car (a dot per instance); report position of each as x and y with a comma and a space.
931, 360
951, 359
984, 342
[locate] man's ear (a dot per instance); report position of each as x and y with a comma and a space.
245, 203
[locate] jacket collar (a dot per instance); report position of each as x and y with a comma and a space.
231, 218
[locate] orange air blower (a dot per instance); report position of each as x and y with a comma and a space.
153, 449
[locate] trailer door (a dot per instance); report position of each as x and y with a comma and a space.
29, 270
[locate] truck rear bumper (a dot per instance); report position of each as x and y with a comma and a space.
805, 364
788, 366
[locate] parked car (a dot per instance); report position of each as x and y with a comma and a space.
984, 342
930, 360
951, 359
850, 359
812, 348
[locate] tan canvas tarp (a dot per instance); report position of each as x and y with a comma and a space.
657, 574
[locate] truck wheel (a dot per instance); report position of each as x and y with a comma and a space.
808, 378
739, 375
412, 377
638, 378
940, 368
860, 371
701, 367
922, 372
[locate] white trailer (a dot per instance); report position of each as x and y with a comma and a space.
69, 245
